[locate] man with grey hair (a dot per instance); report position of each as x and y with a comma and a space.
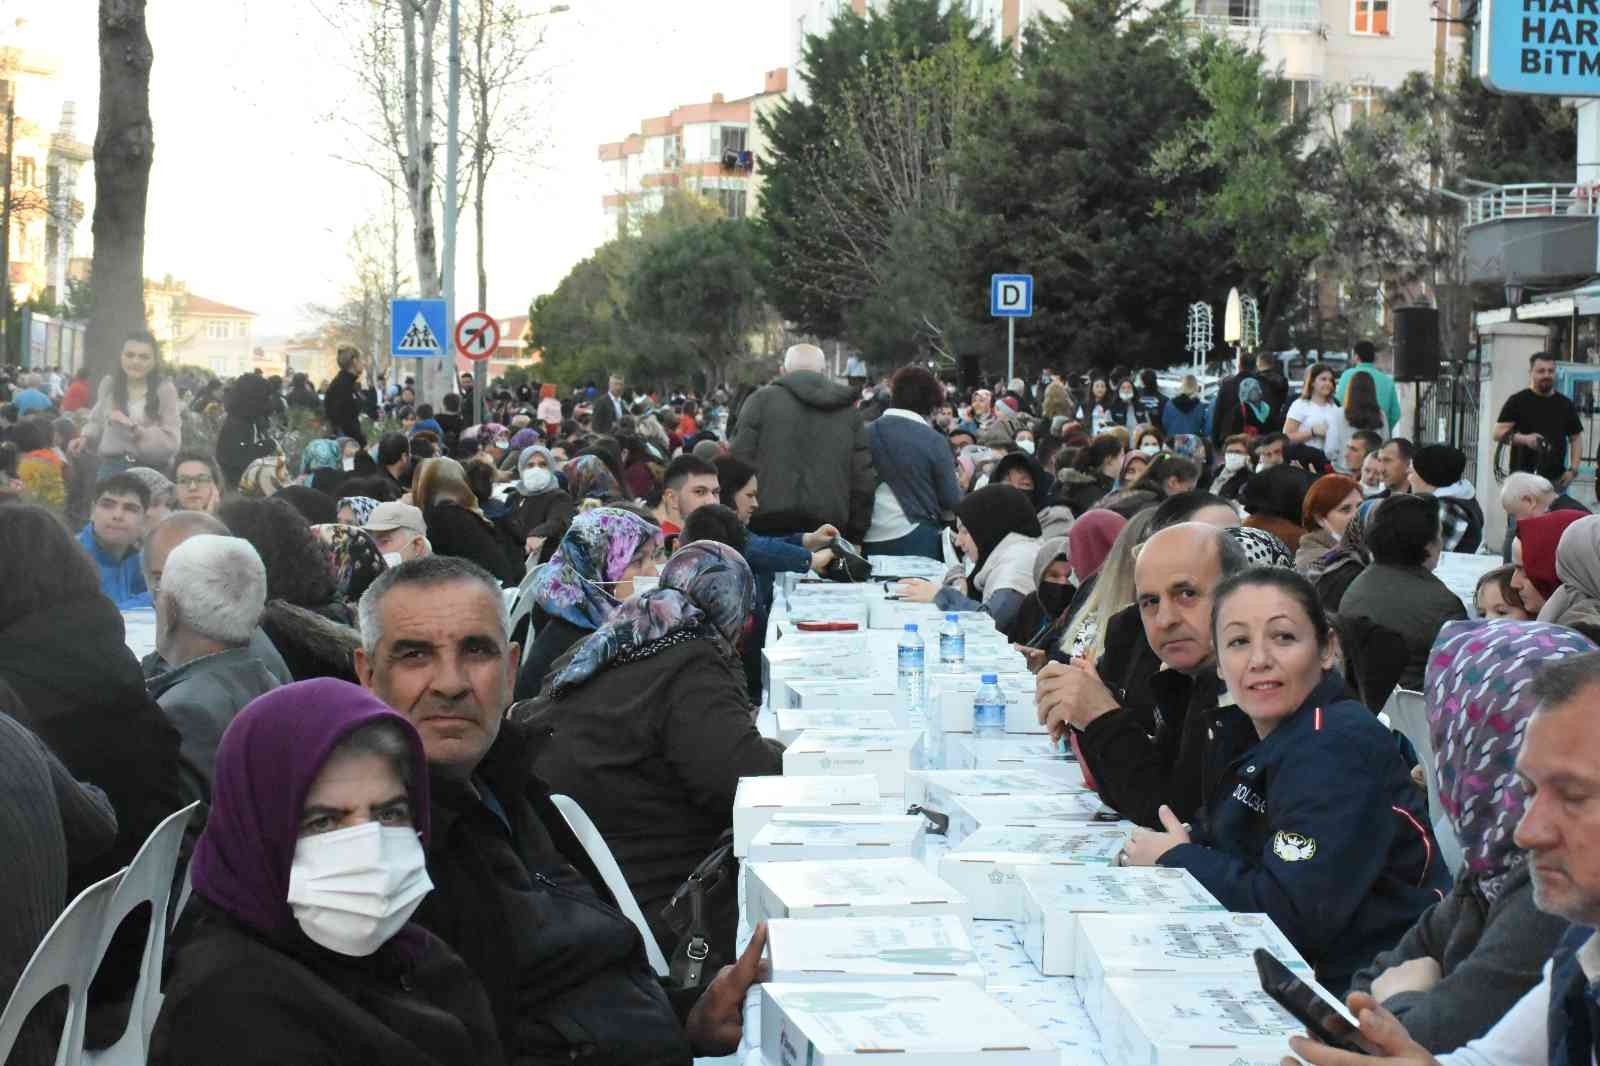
1524, 495
515, 893
1554, 1024
809, 446
1143, 757
212, 591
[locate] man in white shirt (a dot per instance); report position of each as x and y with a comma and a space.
1555, 1024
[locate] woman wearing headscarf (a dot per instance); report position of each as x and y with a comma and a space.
582, 585
322, 466
1255, 410
1533, 553
355, 510
456, 523
541, 510
647, 724
998, 532
1044, 613
264, 477
357, 559
1275, 499
297, 944
1087, 547
1473, 955
1576, 602
590, 478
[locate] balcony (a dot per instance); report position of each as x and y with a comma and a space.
1544, 235
1272, 16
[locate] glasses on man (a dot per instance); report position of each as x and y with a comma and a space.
197, 481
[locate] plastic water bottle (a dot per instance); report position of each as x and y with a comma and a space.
912, 679
989, 708
952, 642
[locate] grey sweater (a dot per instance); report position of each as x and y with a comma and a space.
1490, 954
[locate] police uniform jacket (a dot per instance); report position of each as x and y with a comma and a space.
1320, 827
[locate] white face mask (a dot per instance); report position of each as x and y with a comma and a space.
353, 889
1233, 461
1125, 394
536, 479
350, 462
1371, 490
1026, 445
393, 559
1150, 449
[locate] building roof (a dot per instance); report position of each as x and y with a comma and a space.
194, 306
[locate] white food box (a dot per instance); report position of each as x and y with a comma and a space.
826, 609
951, 695
1012, 752
885, 613
933, 1023
792, 721
985, 865
887, 754
1053, 898
875, 694
759, 798
970, 813
1172, 946
940, 789
862, 888
783, 678
930, 948
1210, 1021
791, 837
839, 651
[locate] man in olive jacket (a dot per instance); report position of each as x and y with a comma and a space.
806, 440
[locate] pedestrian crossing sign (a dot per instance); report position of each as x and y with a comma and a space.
417, 329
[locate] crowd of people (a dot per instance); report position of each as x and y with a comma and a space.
1217, 595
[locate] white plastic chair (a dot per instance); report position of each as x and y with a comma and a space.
148, 879
68, 955
600, 854
1408, 713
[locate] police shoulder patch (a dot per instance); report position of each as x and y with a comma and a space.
1293, 847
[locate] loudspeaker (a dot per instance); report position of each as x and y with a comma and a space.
1416, 343
971, 373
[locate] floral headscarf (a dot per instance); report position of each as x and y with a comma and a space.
320, 454
1478, 702
357, 559
264, 476
588, 477
1250, 396
1262, 548
706, 591
575, 585
361, 506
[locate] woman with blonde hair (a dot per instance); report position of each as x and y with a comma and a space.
457, 525
1085, 636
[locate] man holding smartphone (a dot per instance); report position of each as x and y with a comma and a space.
1558, 1022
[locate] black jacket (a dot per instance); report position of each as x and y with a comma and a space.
653, 750
1320, 827
1081, 491
545, 514
517, 897
234, 995
553, 636
457, 531
341, 406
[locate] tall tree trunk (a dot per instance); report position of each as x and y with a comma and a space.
124, 143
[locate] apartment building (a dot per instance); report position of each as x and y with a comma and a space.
196, 331
709, 148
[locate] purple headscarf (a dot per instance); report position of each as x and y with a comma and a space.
524, 438
266, 763
1478, 698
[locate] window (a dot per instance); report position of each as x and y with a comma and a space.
241, 330
217, 330
733, 138
1365, 102
1370, 17
730, 200
1298, 102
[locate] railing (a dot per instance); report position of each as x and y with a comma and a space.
1276, 16
1533, 201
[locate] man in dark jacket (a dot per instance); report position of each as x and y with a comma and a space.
515, 894
804, 436
342, 403
609, 408
1143, 758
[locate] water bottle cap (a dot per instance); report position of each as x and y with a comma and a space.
911, 627
991, 679
952, 618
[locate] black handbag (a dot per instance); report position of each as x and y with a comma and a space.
847, 565
704, 913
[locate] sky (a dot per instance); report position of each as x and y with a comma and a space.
251, 202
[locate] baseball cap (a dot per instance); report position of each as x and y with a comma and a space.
387, 517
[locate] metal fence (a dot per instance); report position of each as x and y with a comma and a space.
1448, 407
1532, 201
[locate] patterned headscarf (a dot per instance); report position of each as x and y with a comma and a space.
361, 506
1250, 396
575, 585
357, 559
524, 438
264, 476
588, 477
1478, 701
706, 591
1262, 548
320, 454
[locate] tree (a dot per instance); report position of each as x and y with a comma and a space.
859, 188
1507, 138
1060, 182
361, 317
699, 286
124, 143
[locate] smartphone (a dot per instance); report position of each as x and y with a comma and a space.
1311, 1010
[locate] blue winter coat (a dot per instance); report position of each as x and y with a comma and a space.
1320, 827
1175, 420
122, 580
